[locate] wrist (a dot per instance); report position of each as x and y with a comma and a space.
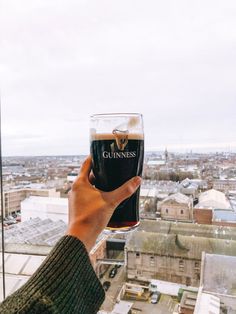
83, 234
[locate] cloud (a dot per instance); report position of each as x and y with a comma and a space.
61, 61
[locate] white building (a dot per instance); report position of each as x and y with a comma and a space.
44, 207
213, 199
207, 303
218, 278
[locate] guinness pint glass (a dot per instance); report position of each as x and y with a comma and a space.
117, 150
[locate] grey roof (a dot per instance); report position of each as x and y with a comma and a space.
35, 232
189, 184
188, 229
178, 245
177, 197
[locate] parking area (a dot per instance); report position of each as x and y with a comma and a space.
165, 305
114, 289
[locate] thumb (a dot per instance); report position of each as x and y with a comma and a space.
125, 190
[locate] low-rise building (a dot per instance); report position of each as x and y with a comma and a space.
207, 304
224, 185
224, 218
176, 207
189, 187
218, 279
28, 243
44, 207
170, 257
188, 302
12, 199
208, 201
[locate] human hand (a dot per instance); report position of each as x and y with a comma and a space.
90, 209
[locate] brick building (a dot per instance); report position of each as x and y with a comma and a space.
208, 201
176, 207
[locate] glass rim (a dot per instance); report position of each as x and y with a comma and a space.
121, 114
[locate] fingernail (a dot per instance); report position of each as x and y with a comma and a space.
137, 180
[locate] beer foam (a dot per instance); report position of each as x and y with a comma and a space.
133, 122
111, 136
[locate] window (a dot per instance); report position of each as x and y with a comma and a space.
166, 211
137, 255
181, 212
152, 261
181, 265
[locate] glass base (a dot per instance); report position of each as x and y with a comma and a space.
110, 230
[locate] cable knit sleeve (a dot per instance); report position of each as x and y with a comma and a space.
65, 283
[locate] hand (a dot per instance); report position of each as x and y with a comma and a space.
90, 209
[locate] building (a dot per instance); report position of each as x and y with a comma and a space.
13, 198
176, 207
218, 279
189, 187
18, 269
224, 218
28, 243
207, 304
224, 185
170, 257
44, 207
98, 252
208, 201
188, 302
187, 229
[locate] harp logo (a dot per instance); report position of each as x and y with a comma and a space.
121, 140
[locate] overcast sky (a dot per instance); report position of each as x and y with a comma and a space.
173, 61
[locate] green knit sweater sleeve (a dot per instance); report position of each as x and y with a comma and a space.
65, 283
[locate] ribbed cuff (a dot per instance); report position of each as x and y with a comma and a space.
65, 283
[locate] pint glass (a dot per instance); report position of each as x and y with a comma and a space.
117, 150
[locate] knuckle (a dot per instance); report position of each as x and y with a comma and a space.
74, 186
129, 189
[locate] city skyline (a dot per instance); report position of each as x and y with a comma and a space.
63, 61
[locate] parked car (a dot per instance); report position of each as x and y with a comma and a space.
155, 297
113, 272
106, 285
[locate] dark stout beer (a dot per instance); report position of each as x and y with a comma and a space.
116, 158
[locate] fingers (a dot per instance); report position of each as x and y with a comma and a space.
92, 178
86, 168
84, 171
126, 190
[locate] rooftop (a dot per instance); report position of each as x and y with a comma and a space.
224, 215
46, 200
188, 229
213, 199
178, 245
219, 278
219, 274
34, 232
177, 197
